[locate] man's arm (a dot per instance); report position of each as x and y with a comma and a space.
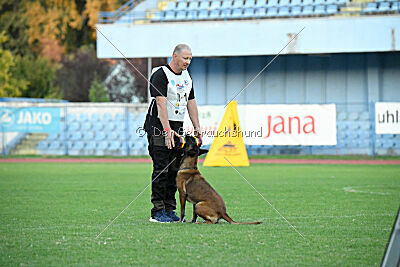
194, 116
162, 112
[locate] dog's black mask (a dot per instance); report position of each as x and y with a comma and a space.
190, 146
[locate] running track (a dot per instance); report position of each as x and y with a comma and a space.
270, 161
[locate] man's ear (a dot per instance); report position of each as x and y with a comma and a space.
203, 151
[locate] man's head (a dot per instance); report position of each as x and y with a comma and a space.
181, 57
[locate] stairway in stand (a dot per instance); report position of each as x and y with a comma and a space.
28, 145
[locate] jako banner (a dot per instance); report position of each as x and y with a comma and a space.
30, 120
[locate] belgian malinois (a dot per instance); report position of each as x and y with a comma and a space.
192, 186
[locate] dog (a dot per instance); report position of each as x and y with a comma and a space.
193, 187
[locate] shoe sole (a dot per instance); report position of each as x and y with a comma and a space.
155, 221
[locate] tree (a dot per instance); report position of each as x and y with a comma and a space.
10, 86
77, 73
97, 92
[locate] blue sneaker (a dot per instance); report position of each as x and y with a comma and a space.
172, 215
160, 217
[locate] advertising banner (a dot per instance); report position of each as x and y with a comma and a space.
387, 118
30, 119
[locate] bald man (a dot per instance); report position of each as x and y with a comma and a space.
172, 93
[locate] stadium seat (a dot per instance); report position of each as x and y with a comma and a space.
365, 126
384, 7
113, 136
158, 16
169, 15
237, 13
88, 136
171, 6
204, 5
42, 145
98, 126
249, 3
272, 3
237, 3
284, 11
261, 3
296, 2
396, 6
319, 10
107, 117
193, 5
320, 2
181, 15
272, 12
78, 145
91, 145
261, 12
307, 11
364, 116
73, 127
331, 2
203, 14
109, 127
341, 116
226, 13
214, 14
215, 4
100, 136
284, 2
115, 145
86, 126
248, 12
94, 117
120, 126
102, 145
71, 117
308, 2
182, 5
83, 117
76, 136
296, 11
52, 136
119, 117
353, 116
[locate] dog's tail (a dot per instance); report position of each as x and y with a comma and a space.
231, 221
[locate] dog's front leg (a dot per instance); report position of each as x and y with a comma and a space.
182, 199
194, 214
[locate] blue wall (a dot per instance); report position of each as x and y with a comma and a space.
350, 80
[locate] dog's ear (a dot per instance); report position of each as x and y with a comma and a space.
203, 151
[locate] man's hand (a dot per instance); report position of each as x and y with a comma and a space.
169, 138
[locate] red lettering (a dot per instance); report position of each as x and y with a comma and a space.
281, 123
311, 123
298, 124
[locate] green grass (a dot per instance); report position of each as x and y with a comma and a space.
50, 214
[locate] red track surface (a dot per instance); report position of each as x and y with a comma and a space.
271, 161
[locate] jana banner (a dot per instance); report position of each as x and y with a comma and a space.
274, 124
30, 120
387, 118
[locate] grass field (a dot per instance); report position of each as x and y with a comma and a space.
51, 213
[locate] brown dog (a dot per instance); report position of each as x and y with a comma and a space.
192, 186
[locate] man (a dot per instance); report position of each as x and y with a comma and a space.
172, 92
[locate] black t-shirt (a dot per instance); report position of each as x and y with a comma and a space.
159, 87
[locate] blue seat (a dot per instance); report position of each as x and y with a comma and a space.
115, 145
296, 11
43, 145
249, 3
332, 9
94, 117
308, 2
100, 136
215, 4
204, 5
91, 145
272, 3
226, 13
71, 117
248, 12
182, 5
181, 15
341, 116
78, 145
193, 5
272, 12
52, 136
110, 126
307, 11
86, 126
319, 10
141, 117
237, 3
158, 16
102, 145
320, 2
261, 12
83, 117
284, 2
284, 11
331, 2
237, 13
169, 15
113, 136
226, 4
396, 6
76, 136
214, 14
98, 126
73, 127
203, 14
296, 3
107, 117
171, 6
119, 117
384, 7
261, 3
88, 136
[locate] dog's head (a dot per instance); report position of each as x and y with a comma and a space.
190, 146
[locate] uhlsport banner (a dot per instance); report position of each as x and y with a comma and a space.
30, 119
274, 124
387, 118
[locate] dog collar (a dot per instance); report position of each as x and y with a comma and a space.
181, 169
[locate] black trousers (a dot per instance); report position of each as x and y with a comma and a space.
163, 188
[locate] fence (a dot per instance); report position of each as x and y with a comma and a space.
116, 129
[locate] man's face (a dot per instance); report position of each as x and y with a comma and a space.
183, 59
